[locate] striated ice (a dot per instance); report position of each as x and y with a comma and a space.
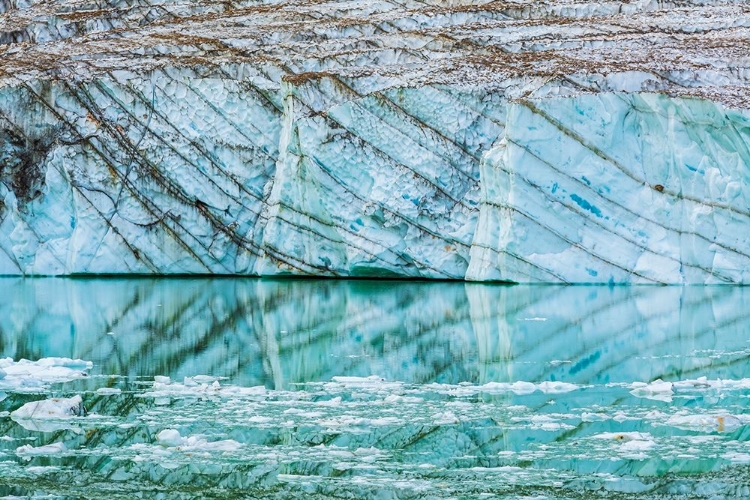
519, 141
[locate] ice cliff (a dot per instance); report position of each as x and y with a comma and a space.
554, 141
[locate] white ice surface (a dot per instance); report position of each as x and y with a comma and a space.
28, 375
171, 438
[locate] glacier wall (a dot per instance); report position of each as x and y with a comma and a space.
532, 141
163, 174
616, 188
173, 173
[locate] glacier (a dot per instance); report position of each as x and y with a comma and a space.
556, 141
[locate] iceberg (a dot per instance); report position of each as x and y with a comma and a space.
49, 415
520, 142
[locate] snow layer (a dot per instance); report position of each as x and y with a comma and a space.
527, 141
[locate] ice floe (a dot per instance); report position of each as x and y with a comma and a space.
49, 415
171, 438
28, 451
199, 386
31, 375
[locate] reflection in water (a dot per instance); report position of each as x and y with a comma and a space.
472, 388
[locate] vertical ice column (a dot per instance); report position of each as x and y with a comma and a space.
366, 186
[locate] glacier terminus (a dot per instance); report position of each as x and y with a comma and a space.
526, 141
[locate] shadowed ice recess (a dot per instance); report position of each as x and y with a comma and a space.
354, 389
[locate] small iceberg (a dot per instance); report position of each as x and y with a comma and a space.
27, 451
49, 415
26, 374
171, 438
658, 390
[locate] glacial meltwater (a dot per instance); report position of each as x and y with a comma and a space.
247, 388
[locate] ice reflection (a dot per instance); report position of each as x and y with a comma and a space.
403, 388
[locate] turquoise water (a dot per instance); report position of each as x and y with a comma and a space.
361, 389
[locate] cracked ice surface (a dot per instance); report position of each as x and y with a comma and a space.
524, 141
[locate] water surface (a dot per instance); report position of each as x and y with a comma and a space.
389, 389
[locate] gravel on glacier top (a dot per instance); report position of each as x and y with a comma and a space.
679, 47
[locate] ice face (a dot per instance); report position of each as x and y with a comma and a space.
511, 142
616, 188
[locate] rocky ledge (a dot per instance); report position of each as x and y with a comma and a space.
528, 141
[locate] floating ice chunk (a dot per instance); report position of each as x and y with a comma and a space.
164, 388
557, 387
330, 402
737, 458
108, 391
258, 419
703, 383
303, 413
371, 384
51, 408
394, 398
28, 451
24, 373
171, 438
446, 418
705, 423
521, 387
632, 444
623, 436
657, 390
594, 417
544, 422
49, 415
638, 445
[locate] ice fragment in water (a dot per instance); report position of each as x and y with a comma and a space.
49, 415
51, 409
171, 438
27, 451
